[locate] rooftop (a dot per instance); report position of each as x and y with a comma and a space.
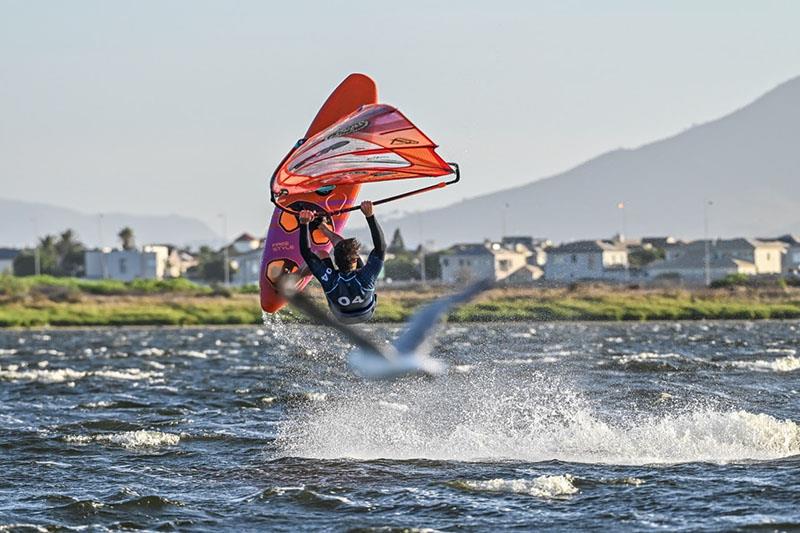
588, 246
8, 253
697, 261
739, 243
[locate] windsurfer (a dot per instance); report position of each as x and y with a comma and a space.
349, 285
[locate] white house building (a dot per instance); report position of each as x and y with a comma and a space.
725, 256
587, 260
490, 260
245, 257
7, 256
149, 262
246, 267
791, 259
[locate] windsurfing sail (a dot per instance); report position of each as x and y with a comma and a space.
373, 144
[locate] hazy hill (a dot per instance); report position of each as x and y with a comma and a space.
17, 226
747, 163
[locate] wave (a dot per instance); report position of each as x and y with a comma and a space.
490, 417
16, 372
788, 363
542, 486
129, 439
61, 375
306, 497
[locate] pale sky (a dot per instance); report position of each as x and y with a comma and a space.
158, 107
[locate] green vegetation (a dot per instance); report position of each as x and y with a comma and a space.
19, 288
210, 265
60, 255
45, 300
641, 257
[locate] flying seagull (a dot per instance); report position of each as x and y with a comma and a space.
410, 353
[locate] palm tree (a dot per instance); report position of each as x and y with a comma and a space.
126, 236
70, 254
397, 246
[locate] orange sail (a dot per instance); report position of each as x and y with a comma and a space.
375, 143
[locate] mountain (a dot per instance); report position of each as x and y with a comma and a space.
22, 222
747, 164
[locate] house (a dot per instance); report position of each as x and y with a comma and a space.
178, 261
657, 242
244, 243
536, 246
246, 267
725, 257
7, 256
244, 254
149, 262
587, 260
690, 268
524, 275
791, 259
464, 262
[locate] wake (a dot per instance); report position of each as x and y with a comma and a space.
490, 415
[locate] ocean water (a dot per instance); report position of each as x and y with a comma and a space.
677, 426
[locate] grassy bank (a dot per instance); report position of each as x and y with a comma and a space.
43, 301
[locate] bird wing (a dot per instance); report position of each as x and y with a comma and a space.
423, 324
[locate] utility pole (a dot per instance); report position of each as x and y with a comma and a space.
707, 243
225, 254
37, 258
421, 257
504, 229
422, 276
103, 261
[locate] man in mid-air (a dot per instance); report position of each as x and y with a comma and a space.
349, 285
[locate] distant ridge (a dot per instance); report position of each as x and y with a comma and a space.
17, 226
747, 163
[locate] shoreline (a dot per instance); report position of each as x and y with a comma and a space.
581, 304
386, 324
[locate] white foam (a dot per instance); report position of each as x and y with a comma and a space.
48, 352
78, 439
193, 353
645, 357
542, 486
781, 364
315, 396
141, 439
395, 406
150, 352
60, 375
130, 374
129, 439
480, 416
98, 405
8, 351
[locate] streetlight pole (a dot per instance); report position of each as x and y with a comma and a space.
706, 243
225, 253
624, 230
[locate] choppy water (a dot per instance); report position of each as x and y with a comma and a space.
588, 426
